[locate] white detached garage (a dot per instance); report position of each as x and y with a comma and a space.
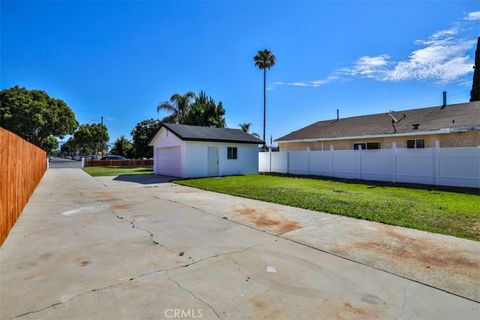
191, 151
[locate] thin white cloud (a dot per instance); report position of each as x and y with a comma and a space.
442, 58
475, 15
368, 67
441, 34
314, 83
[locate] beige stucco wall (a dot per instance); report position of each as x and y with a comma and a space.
458, 139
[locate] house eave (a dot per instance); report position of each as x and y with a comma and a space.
402, 134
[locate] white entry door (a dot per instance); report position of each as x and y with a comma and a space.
212, 161
167, 161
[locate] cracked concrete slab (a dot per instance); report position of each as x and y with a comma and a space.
134, 250
445, 262
144, 298
312, 285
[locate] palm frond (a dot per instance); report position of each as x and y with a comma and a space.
166, 106
245, 127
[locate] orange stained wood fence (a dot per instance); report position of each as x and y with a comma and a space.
118, 163
22, 165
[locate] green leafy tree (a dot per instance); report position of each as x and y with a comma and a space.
50, 145
35, 116
91, 138
246, 128
69, 147
178, 107
475, 92
122, 147
205, 112
141, 136
264, 59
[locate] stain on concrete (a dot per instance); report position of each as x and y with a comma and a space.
121, 206
268, 219
372, 299
45, 256
348, 311
187, 191
102, 194
258, 304
33, 276
421, 252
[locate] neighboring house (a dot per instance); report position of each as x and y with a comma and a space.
455, 125
192, 151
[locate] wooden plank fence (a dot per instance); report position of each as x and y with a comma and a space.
22, 165
118, 163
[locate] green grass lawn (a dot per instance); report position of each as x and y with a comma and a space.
446, 212
117, 171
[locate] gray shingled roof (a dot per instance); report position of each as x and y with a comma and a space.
464, 116
197, 133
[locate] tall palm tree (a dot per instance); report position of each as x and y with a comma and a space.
246, 128
178, 107
264, 59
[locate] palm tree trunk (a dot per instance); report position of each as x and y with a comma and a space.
264, 102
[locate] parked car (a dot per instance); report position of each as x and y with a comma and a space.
77, 158
113, 157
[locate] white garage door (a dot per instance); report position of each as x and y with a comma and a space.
167, 161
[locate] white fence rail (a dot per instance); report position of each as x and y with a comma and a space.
435, 166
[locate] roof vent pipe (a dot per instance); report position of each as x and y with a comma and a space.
444, 99
338, 114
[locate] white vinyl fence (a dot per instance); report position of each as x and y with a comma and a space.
435, 166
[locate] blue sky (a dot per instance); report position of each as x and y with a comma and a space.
119, 59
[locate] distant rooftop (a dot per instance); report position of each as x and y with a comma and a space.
460, 117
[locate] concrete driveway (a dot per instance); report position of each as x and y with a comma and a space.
64, 163
143, 248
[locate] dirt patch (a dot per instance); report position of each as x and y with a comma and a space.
421, 252
268, 219
475, 228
